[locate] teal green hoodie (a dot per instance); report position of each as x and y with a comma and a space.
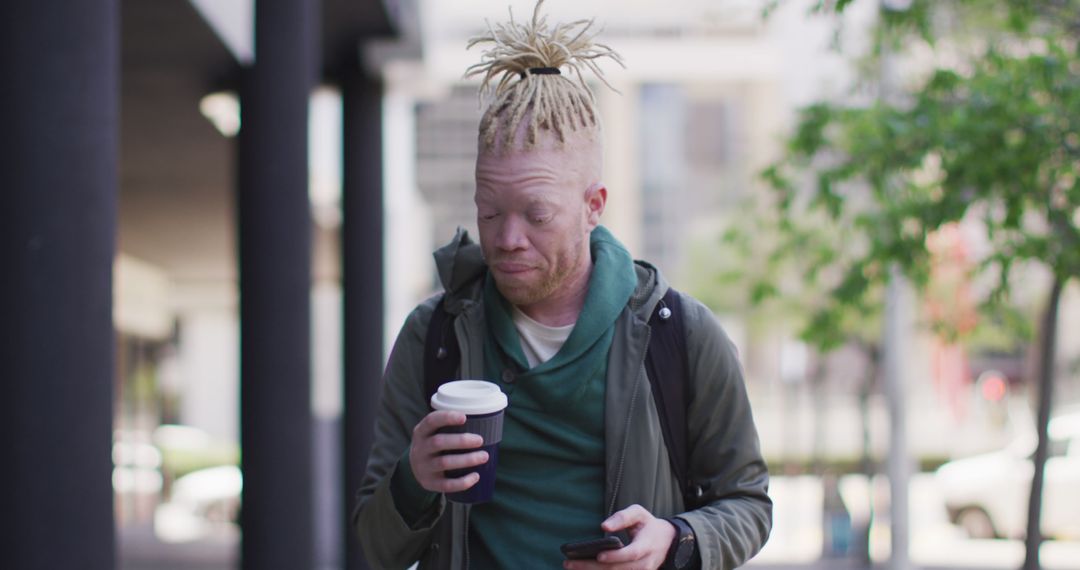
549, 484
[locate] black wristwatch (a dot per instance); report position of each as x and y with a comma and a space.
683, 552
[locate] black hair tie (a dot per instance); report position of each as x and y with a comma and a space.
541, 71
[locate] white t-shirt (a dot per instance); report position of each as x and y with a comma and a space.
539, 342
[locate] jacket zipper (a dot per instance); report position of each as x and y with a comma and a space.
466, 362
626, 434
463, 342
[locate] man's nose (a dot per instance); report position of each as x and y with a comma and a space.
511, 235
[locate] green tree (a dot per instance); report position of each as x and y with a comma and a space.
988, 133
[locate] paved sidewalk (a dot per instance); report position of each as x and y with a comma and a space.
140, 549
849, 565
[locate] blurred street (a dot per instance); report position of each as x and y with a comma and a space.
796, 541
140, 549
875, 199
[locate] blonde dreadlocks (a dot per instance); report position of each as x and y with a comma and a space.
525, 59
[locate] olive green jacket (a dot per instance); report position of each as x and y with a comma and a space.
725, 463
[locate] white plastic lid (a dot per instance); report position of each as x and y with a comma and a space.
469, 397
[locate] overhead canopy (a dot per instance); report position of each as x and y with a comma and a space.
176, 169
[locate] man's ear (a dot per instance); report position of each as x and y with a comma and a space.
595, 200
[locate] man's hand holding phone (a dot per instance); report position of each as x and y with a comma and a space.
650, 540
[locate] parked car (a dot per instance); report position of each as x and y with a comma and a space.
203, 502
987, 495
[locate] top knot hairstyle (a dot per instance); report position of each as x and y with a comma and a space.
521, 72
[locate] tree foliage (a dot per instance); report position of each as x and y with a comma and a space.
991, 139
985, 135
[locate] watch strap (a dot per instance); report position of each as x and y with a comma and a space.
683, 532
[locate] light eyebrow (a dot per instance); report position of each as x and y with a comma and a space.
542, 201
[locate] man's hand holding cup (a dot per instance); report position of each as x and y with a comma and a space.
455, 447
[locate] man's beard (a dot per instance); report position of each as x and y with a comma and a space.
529, 294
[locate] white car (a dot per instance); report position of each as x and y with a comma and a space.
204, 502
987, 495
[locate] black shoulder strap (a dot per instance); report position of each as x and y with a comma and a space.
668, 370
442, 354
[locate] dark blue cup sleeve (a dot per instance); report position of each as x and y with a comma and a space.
488, 426
484, 489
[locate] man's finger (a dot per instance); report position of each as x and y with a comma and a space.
626, 518
583, 565
452, 441
594, 565
630, 553
437, 420
460, 460
458, 484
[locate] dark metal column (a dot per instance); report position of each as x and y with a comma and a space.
362, 275
59, 93
275, 289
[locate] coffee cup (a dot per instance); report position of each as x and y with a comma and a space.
484, 406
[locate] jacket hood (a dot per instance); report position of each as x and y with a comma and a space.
461, 267
650, 288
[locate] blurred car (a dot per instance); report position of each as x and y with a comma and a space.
203, 502
136, 477
987, 495
136, 464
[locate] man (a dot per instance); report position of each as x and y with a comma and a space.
552, 309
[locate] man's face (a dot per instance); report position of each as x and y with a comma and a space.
535, 210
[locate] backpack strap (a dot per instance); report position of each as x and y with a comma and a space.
668, 370
442, 354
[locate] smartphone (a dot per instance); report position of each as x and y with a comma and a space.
588, 549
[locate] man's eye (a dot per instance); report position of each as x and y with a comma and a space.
488, 217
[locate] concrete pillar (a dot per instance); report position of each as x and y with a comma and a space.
59, 67
275, 230
362, 276
622, 174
